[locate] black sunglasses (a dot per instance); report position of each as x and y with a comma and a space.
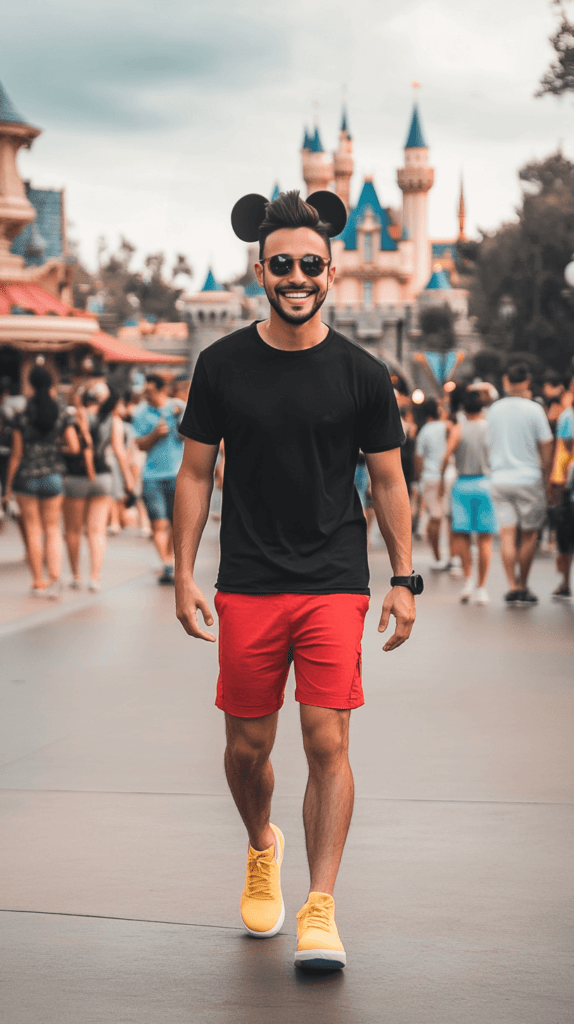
282, 264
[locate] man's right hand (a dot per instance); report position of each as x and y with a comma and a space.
188, 601
162, 428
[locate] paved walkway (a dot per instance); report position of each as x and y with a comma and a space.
123, 856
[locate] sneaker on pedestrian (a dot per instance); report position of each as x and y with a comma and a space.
438, 566
94, 586
319, 947
455, 567
262, 907
74, 584
167, 575
481, 596
466, 592
527, 597
512, 597
562, 594
53, 592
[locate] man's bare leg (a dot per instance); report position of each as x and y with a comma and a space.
528, 545
329, 796
509, 555
250, 775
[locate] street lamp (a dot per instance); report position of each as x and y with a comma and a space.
418, 396
569, 273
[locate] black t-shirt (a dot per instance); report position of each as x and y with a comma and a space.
292, 423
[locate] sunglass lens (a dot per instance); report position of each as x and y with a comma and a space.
280, 265
312, 266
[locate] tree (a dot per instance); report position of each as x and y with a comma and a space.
518, 291
560, 75
437, 326
181, 266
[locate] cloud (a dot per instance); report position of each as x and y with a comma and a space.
107, 66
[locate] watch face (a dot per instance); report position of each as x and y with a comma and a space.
418, 584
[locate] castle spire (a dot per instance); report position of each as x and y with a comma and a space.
415, 180
15, 209
343, 163
416, 139
461, 214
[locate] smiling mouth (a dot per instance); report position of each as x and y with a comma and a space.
296, 295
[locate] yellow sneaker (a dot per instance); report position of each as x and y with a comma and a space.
262, 907
319, 947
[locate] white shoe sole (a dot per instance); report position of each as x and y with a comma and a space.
320, 959
272, 931
281, 919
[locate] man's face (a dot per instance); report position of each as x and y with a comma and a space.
552, 391
152, 393
295, 297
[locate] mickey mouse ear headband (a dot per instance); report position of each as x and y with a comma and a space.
249, 213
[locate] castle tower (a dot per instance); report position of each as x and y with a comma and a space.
343, 163
317, 165
15, 209
415, 180
462, 237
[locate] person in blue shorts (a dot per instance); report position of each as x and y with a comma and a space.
472, 505
156, 427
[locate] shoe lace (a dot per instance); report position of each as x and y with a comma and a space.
258, 885
315, 915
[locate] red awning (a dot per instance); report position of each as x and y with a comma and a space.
31, 298
115, 351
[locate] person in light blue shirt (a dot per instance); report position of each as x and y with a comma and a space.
521, 442
156, 427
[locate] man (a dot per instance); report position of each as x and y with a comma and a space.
521, 445
294, 401
430, 447
156, 429
563, 513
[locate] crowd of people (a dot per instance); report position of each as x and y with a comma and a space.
85, 466
476, 464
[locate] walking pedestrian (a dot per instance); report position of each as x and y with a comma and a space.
521, 443
35, 476
156, 427
430, 446
472, 506
563, 513
89, 482
295, 402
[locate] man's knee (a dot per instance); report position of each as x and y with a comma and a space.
249, 744
326, 739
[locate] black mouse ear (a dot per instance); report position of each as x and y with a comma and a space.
247, 215
331, 209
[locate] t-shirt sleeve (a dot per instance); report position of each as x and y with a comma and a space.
380, 427
565, 426
420, 444
141, 425
202, 419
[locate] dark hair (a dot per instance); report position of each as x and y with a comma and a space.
517, 373
154, 378
290, 211
43, 410
108, 405
430, 408
553, 378
472, 402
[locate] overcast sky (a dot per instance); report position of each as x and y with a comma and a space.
157, 116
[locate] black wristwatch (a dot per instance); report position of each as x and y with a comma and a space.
414, 583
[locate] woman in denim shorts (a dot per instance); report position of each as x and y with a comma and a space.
35, 476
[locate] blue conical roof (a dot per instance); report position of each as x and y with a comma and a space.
315, 144
306, 139
8, 112
368, 199
276, 192
439, 281
345, 122
416, 138
211, 284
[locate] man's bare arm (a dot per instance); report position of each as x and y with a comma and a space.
393, 512
546, 450
191, 509
148, 440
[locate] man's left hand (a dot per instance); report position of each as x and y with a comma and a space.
399, 602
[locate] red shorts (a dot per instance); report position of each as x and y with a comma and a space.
261, 634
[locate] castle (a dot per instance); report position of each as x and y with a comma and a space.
388, 267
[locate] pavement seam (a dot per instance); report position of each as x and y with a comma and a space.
288, 796
136, 920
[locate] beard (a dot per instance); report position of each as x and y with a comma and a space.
296, 318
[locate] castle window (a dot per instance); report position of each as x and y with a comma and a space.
368, 293
368, 248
